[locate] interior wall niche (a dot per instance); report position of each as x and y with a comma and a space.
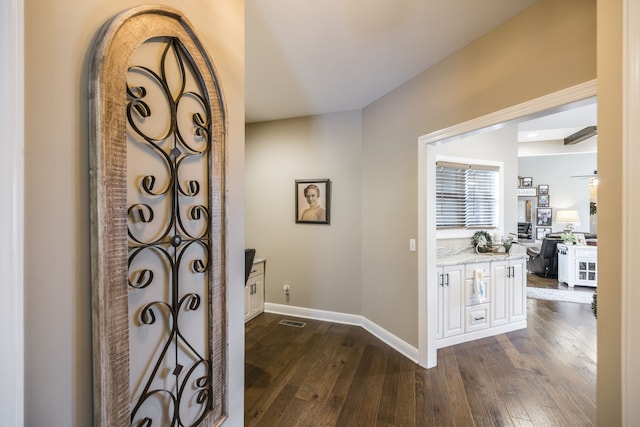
157, 202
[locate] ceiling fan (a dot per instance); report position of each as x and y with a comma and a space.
593, 178
591, 175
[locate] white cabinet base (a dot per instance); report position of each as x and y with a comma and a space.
254, 291
484, 333
492, 301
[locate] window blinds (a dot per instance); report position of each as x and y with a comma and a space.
466, 195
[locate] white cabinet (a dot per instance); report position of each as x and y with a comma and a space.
477, 282
499, 289
517, 291
480, 299
578, 265
508, 287
254, 291
450, 301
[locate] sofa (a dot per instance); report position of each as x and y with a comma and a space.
543, 260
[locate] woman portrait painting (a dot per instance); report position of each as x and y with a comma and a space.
312, 201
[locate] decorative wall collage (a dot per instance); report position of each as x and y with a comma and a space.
543, 217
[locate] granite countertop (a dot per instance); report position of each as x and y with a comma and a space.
467, 255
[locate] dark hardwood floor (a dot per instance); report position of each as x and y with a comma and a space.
328, 374
535, 281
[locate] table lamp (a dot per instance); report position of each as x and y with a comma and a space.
570, 217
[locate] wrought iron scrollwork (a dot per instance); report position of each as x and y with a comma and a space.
169, 245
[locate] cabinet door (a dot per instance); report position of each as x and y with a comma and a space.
248, 295
440, 305
258, 296
453, 301
499, 293
563, 264
518, 291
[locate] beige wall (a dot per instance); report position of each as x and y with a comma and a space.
550, 46
58, 40
611, 208
321, 263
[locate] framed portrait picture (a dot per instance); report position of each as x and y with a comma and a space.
541, 232
543, 216
313, 201
527, 181
580, 239
543, 200
543, 189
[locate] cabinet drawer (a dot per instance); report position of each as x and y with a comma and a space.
586, 253
470, 270
477, 317
257, 269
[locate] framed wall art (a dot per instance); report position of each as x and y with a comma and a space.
543, 189
543, 200
313, 201
541, 232
543, 217
527, 181
158, 263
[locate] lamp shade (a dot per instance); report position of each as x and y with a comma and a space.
568, 216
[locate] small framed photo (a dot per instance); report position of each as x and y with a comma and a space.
543, 217
541, 232
313, 201
543, 200
580, 239
543, 189
527, 181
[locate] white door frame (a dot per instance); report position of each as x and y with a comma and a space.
12, 212
427, 277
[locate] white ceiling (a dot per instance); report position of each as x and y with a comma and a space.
545, 135
316, 57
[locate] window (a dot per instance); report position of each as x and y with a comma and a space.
466, 195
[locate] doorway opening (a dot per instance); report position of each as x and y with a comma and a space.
573, 97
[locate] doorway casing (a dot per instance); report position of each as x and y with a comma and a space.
427, 276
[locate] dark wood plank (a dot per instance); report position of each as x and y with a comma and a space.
406, 396
338, 375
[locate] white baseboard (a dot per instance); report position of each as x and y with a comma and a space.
382, 334
484, 333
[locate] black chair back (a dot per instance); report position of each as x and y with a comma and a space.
249, 256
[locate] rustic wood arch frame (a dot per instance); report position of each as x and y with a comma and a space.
111, 102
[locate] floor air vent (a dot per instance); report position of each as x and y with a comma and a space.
293, 323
